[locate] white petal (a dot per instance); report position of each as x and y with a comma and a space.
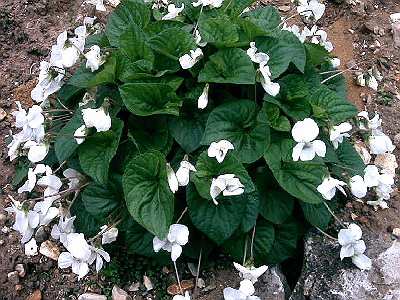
362, 261
246, 286
320, 147
305, 131
232, 294
65, 260
178, 233
359, 247
176, 252
356, 231
31, 248
158, 244
346, 251
297, 151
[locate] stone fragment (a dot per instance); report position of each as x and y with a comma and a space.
113, 3
50, 250
36, 295
13, 277
201, 283
396, 232
272, 285
119, 294
192, 268
396, 140
284, 8
134, 287
20, 269
388, 163
41, 235
147, 283
3, 114
92, 296
363, 151
396, 33
175, 290
388, 263
367, 27
18, 287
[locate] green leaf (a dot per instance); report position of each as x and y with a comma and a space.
144, 99
298, 108
293, 86
349, 160
236, 121
218, 222
84, 222
282, 50
316, 53
96, 152
265, 17
128, 71
285, 242
250, 29
151, 132
300, 179
336, 83
21, 170
147, 193
332, 106
317, 214
208, 168
99, 201
251, 212
276, 205
81, 77
218, 30
231, 65
263, 240
173, 42
138, 239
159, 26
234, 8
107, 75
124, 30
271, 114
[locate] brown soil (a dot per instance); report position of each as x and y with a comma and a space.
28, 29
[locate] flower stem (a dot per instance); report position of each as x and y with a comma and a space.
198, 270
245, 251
333, 215
324, 233
252, 242
180, 217
177, 277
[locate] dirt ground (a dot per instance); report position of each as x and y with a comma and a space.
28, 29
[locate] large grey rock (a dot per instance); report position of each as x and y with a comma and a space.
325, 276
272, 285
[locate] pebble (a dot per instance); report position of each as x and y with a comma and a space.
119, 294
396, 140
20, 269
134, 287
388, 163
396, 33
147, 283
49, 250
13, 277
3, 114
175, 290
396, 232
36, 295
92, 296
201, 283
18, 287
41, 235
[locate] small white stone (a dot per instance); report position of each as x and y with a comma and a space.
388, 163
49, 250
92, 296
147, 283
134, 287
119, 294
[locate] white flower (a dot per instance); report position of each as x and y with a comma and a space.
372, 82
37, 151
94, 59
212, 3
98, 254
110, 235
188, 60
173, 11
312, 9
30, 183
245, 292
337, 133
328, 187
25, 221
251, 273
351, 242
335, 62
172, 179
304, 132
197, 36
371, 176
31, 248
366, 123
219, 150
256, 57
99, 4
73, 176
52, 186
362, 261
177, 236
360, 80
182, 174
228, 184
358, 186
378, 203
270, 87
379, 142
180, 297
64, 227
203, 99
97, 118
81, 131
50, 81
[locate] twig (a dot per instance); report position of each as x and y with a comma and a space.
61, 165
105, 230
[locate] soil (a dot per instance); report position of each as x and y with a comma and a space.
28, 29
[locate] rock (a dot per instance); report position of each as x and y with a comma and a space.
3, 114
92, 296
119, 294
41, 235
396, 33
18, 287
201, 283
36, 295
3, 219
387, 161
272, 285
147, 283
396, 232
325, 276
367, 27
396, 140
388, 263
20, 269
134, 287
363, 151
185, 285
13, 277
50, 250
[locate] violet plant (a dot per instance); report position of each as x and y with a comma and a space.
244, 108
